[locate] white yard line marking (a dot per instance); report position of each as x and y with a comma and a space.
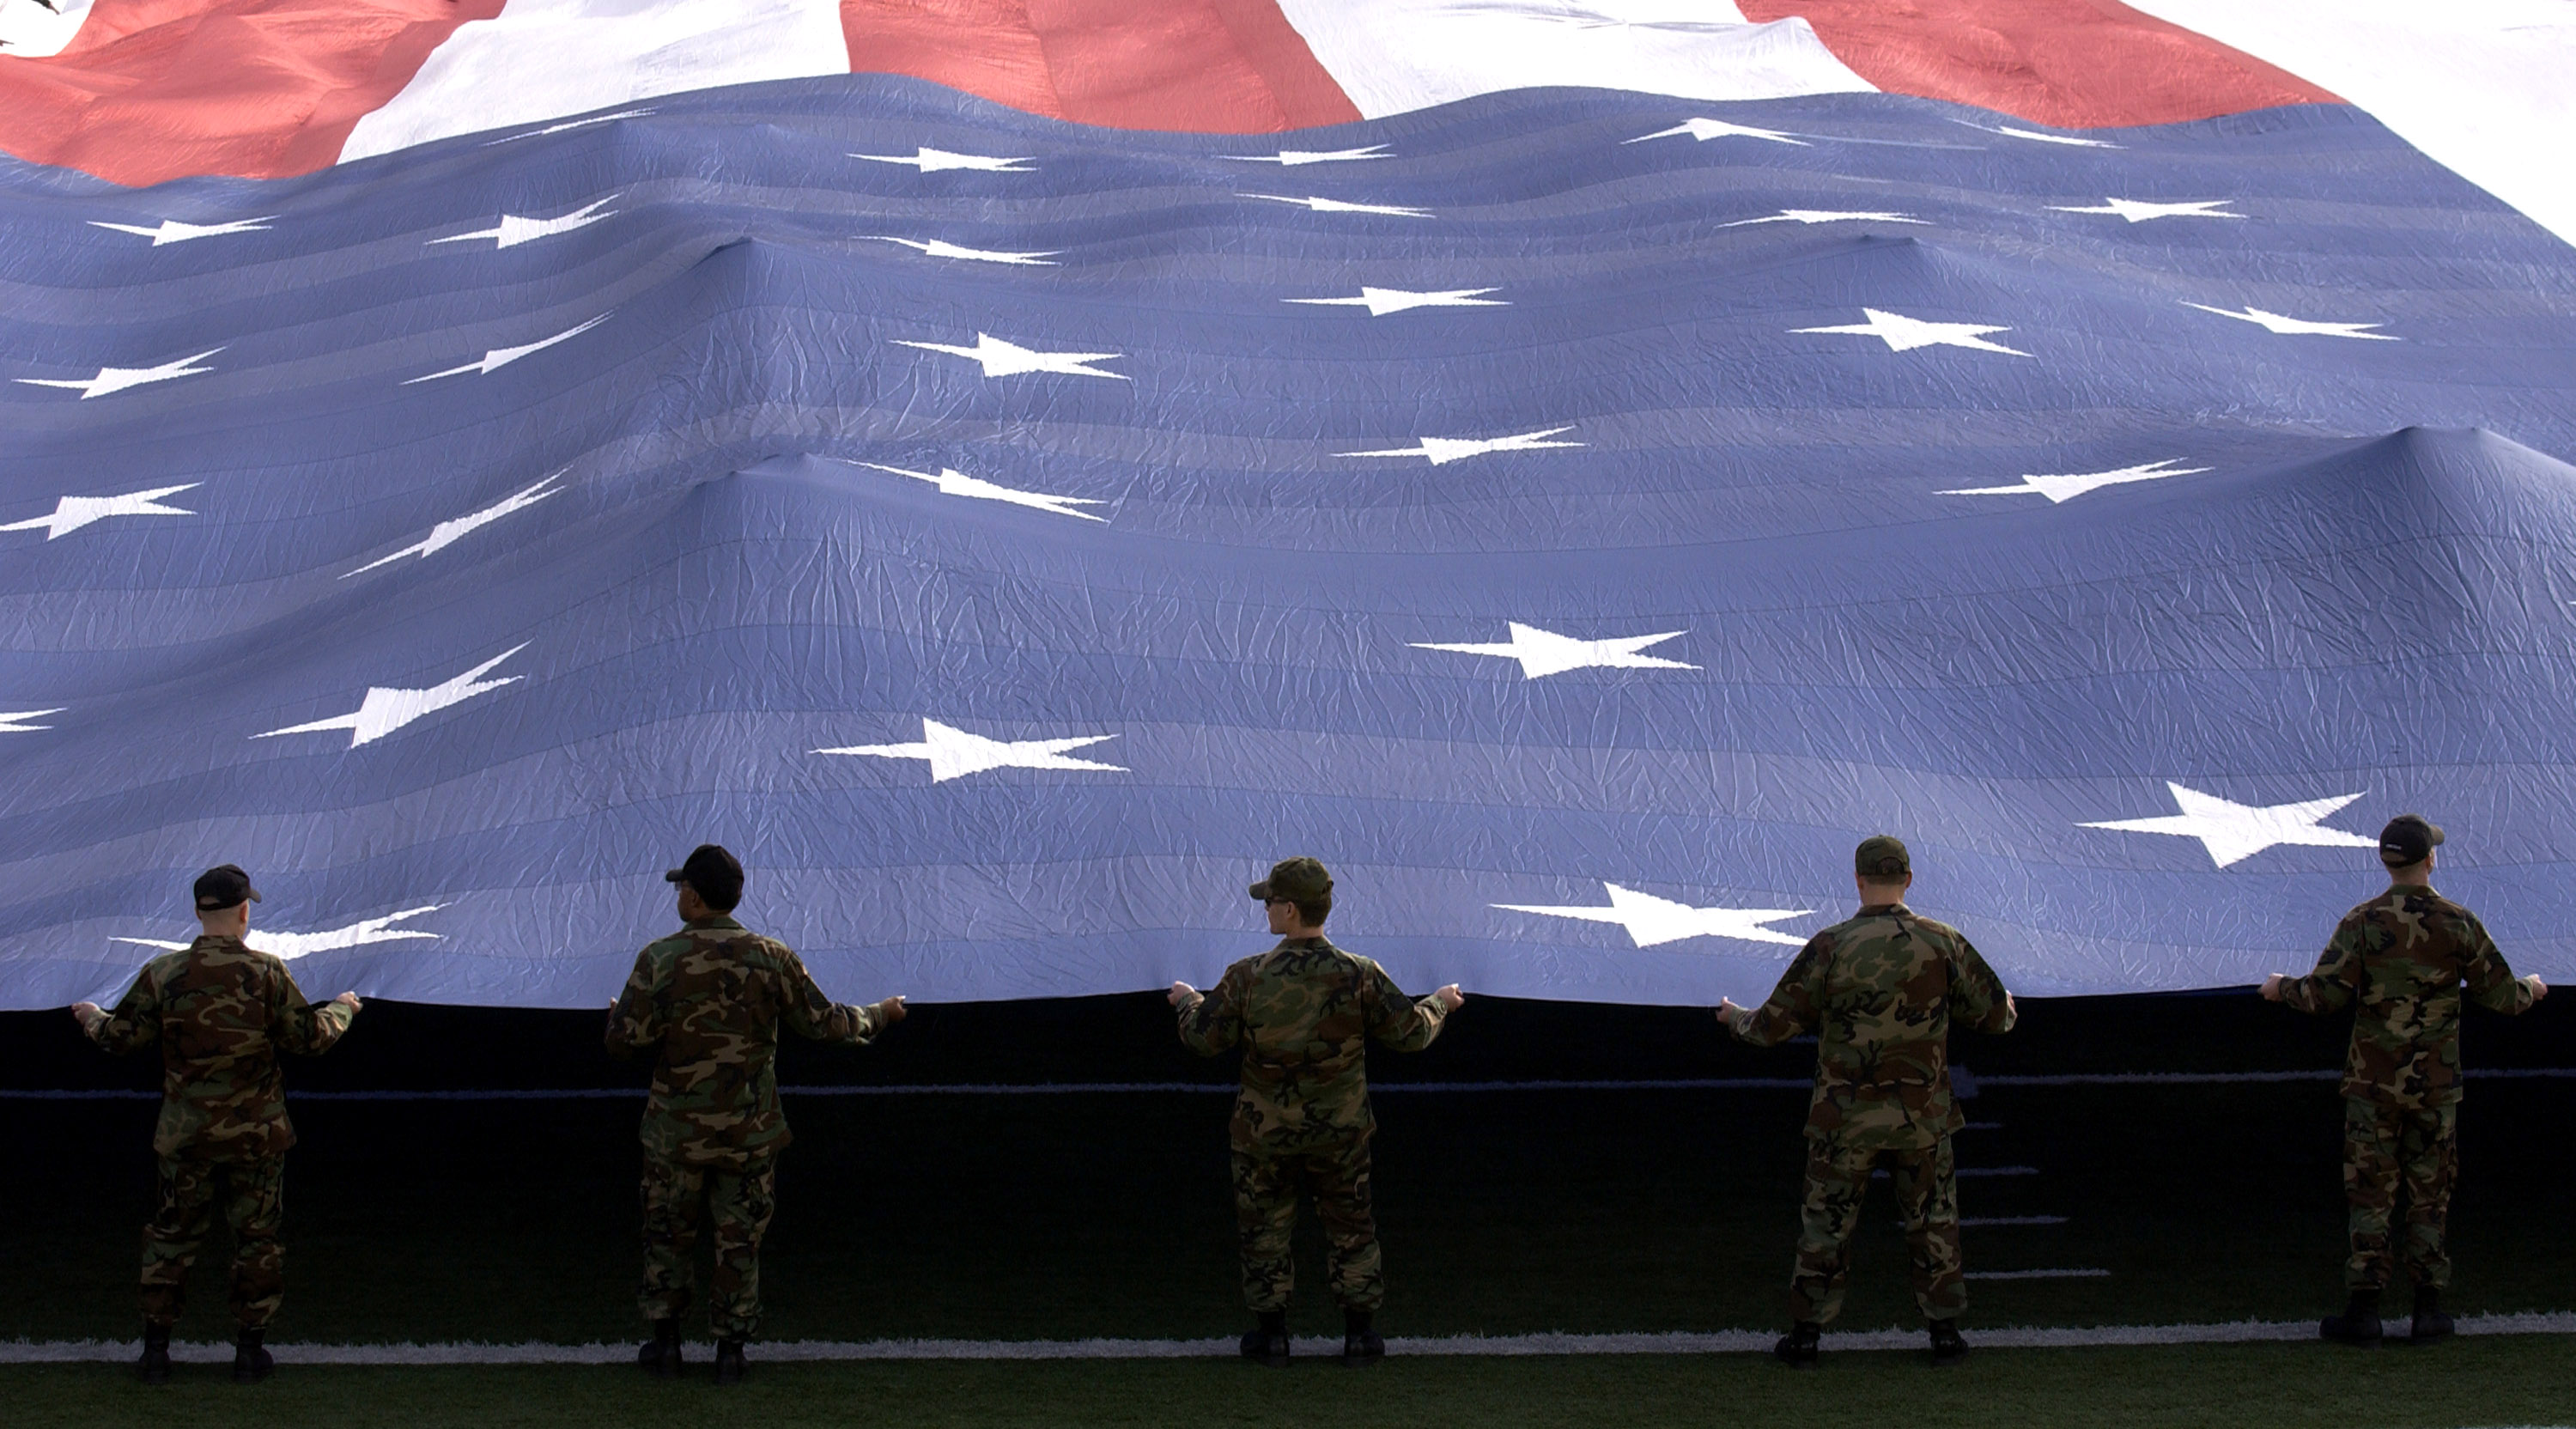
1724, 1342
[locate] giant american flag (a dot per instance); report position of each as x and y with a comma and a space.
1011, 469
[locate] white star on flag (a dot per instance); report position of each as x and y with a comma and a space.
513, 230
289, 946
931, 161
1382, 301
10, 721
2233, 832
1904, 334
953, 753
1704, 130
2140, 210
571, 124
956, 483
1294, 157
447, 533
383, 710
2068, 139
942, 248
173, 231
1444, 450
117, 379
2067, 487
2274, 322
73, 512
1334, 205
1823, 215
500, 357
1009, 359
1543, 653
1651, 921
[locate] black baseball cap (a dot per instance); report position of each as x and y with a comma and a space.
1882, 856
224, 886
714, 873
2409, 838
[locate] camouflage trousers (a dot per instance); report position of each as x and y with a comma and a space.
2381, 1144
1265, 1217
678, 1198
254, 1193
1927, 1195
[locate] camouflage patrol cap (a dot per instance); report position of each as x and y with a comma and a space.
713, 872
1881, 856
223, 886
1298, 880
2409, 838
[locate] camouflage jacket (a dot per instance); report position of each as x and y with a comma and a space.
1304, 1013
711, 998
1880, 992
2403, 956
222, 1012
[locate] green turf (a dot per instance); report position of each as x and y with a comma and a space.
2493, 1381
1068, 1216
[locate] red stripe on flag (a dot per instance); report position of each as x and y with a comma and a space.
1212, 66
2075, 64
158, 89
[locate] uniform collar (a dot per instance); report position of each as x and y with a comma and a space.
1287, 943
2410, 888
720, 922
1881, 910
216, 940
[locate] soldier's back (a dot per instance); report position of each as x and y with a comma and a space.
1890, 981
2407, 955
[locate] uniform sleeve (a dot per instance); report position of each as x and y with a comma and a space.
1977, 999
136, 1022
1399, 1022
1795, 1005
1213, 1021
808, 1013
635, 1022
2338, 975
2490, 982
297, 1026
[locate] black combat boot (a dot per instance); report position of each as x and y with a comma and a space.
2358, 1324
154, 1367
1947, 1348
1797, 1349
660, 1355
2430, 1323
1268, 1340
251, 1360
729, 1365
1361, 1346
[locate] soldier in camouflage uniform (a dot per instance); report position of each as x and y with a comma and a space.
1880, 991
2400, 960
221, 1012
1304, 1014
708, 1002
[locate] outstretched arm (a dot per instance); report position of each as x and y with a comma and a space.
1211, 1021
2338, 973
1406, 1024
2490, 981
134, 1025
808, 1013
298, 1026
1795, 1005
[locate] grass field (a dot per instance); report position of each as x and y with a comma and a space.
2518, 1381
